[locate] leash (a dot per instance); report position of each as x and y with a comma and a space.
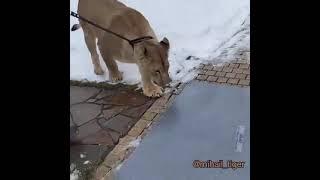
131, 42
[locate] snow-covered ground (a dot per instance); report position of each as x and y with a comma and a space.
74, 173
207, 30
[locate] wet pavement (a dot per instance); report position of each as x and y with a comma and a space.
205, 122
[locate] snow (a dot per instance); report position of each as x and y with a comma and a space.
209, 30
118, 167
240, 42
72, 166
74, 175
82, 156
135, 143
86, 162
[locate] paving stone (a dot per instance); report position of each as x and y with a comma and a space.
88, 129
162, 101
220, 74
119, 150
247, 71
233, 81
109, 176
157, 109
208, 67
71, 122
239, 71
241, 76
142, 124
100, 102
202, 77
126, 98
100, 137
136, 112
218, 68
211, 73
227, 69
212, 78
126, 140
106, 106
202, 71
83, 113
231, 75
244, 82
226, 64
129, 152
111, 160
91, 100
222, 80
81, 94
105, 93
73, 134
101, 172
135, 131
156, 120
118, 123
149, 115
233, 65
113, 111
115, 136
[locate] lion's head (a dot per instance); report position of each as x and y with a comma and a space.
153, 61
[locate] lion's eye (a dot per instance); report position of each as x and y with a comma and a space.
158, 72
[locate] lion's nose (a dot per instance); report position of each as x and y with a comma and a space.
167, 84
168, 80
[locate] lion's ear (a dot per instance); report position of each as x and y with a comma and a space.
165, 43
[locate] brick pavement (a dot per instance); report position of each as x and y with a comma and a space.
235, 73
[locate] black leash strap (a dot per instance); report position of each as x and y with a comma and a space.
131, 42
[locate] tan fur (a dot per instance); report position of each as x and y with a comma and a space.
151, 56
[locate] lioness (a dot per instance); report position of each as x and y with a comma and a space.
151, 56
